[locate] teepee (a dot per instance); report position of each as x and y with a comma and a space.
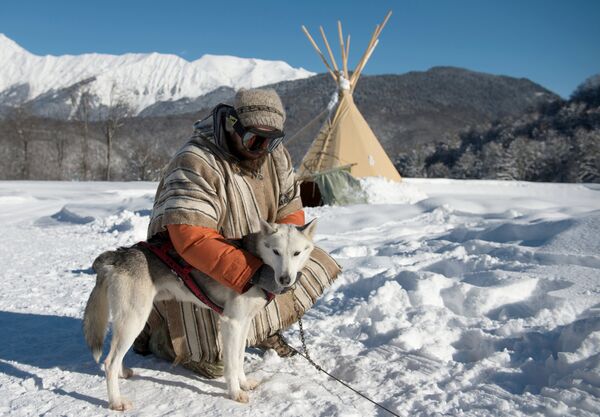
345, 142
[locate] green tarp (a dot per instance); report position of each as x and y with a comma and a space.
338, 187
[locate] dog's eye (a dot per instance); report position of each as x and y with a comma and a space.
296, 253
276, 252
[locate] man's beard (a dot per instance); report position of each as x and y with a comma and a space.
253, 166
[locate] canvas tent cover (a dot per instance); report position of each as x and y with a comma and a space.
348, 139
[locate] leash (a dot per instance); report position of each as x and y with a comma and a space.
306, 356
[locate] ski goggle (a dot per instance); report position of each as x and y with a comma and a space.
257, 140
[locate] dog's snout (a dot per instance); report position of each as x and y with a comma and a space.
285, 280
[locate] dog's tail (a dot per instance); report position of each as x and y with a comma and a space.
105, 260
95, 317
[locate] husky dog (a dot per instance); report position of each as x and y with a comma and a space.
129, 280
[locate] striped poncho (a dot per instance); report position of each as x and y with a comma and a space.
204, 186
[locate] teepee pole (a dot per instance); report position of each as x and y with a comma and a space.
329, 49
359, 71
348, 51
370, 48
314, 44
344, 57
387, 17
364, 55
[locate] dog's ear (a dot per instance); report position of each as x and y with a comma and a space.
308, 229
266, 228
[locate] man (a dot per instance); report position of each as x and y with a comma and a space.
233, 172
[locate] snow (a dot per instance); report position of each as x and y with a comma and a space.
141, 79
476, 298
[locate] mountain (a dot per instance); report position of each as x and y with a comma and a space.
49, 83
187, 105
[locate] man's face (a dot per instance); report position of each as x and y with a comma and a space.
254, 147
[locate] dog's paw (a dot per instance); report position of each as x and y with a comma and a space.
240, 397
249, 384
126, 373
122, 404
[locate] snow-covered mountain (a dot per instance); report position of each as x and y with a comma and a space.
139, 79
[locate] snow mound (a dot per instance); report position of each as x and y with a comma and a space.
380, 190
67, 216
127, 226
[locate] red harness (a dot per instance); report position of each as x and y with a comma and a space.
164, 250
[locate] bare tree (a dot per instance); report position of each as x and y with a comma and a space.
146, 160
82, 102
19, 120
112, 119
57, 137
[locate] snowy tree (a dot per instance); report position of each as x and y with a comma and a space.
526, 153
467, 166
498, 162
588, 91
587, 160
411, 164
557, 154
438, 170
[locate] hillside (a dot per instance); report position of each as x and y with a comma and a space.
554, 142
410, 110
407, 112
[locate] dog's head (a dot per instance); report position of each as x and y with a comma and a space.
286, 248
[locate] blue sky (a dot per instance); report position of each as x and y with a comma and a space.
554, 43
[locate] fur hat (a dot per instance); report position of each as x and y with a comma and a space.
259, 107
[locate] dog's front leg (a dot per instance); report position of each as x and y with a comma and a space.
232, 331
246, 383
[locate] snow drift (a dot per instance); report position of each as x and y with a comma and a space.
461, 298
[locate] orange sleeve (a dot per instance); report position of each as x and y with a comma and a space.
296, 218
206, 250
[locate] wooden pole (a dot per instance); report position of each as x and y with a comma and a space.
362, 58
329, 49
344, 57
314, 44
359, 71
348, 48
370, 48
387, 17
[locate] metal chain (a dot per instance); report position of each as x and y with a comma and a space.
302, 339
306, 356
